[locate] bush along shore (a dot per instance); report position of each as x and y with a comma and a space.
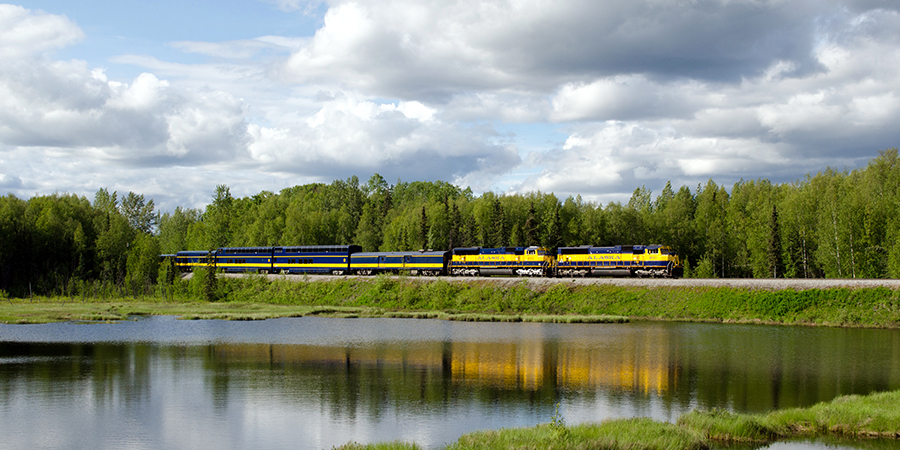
855, 417
258, 297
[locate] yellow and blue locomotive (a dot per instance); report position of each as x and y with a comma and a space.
518, 261
619, 261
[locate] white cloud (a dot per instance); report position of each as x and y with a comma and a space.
307, 6
24, 32
407, 49
627, 97
145, 93
242, 49
362, 136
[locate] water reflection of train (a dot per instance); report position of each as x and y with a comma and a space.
530, 365
619, 260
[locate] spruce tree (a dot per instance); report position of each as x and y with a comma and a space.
774, 247
531, 227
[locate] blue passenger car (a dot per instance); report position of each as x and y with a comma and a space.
186, 261
244, 259
333, 259
416, 263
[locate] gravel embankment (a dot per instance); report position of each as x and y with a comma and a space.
744, 283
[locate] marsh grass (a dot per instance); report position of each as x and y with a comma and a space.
576, 319
380, 446
639, 433
46, 310
874, 415
721, 425
870, 416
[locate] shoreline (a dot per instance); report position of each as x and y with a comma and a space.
859, 418
871, 304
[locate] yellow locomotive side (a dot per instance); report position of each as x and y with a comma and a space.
522, 261
620, 260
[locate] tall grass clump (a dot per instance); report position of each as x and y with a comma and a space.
379, 446
639, 433
722, 425
873, 415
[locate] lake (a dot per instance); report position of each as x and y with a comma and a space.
314, 383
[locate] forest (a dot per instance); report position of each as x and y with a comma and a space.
835, 224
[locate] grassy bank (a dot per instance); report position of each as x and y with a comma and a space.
46, 310
871, 416
863, 307
255, 297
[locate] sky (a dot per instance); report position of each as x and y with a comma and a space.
594, 98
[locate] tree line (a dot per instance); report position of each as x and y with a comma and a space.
836, 224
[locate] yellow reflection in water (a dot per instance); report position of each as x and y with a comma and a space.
634, 362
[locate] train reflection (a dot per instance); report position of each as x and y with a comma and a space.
640, 365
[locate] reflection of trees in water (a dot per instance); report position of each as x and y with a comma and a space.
104, 373
746, 368
672, 366
761, 368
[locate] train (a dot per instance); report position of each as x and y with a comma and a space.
656, 261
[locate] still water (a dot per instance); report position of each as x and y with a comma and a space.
314, 383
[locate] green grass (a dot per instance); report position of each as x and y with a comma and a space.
255, 297
45, 310
871, 416
486, 300
874, 415
382, 446
632, 434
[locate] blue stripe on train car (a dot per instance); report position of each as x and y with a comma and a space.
377, 262
313, 258
244, 259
